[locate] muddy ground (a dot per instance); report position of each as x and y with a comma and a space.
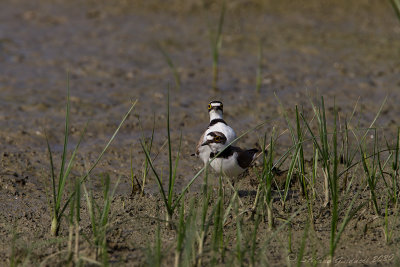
347, 52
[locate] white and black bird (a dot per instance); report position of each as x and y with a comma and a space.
233, 160
217, 123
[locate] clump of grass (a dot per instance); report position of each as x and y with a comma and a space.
300, 157
185, 252
99, 218
330, 162
266, 177
148, 143
297, 162
326, 155
371, 167
194, 226
326, 151
330, 165
167, 195
58, 185
387, 232
59, 181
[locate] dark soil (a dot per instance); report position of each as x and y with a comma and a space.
347, 52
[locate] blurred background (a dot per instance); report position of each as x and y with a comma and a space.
119, 51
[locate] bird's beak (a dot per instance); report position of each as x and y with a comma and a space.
205, 143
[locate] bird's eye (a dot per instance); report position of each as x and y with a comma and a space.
209, 106
217, 138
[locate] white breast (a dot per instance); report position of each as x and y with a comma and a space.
223, 128
204, 153
228, 166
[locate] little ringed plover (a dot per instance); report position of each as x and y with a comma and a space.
233, 160
217, 124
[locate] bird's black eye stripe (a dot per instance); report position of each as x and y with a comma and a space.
217, 105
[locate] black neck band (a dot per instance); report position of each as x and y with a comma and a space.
215, 121
225, 154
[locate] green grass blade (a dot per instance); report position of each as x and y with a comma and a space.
171, 191
370, 177
396, 7
170, 184
78, 200
84, 177
290, 173
180, 234
69, 167
333, 179
53, 178
110, 141
285, 115
300, 158
66, 134
229, 208
89, 203
374, 120
314, 138
107, 201
158, 178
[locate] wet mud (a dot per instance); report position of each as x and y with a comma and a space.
108, 52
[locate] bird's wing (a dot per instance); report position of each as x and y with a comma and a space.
199, 143
245, 157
